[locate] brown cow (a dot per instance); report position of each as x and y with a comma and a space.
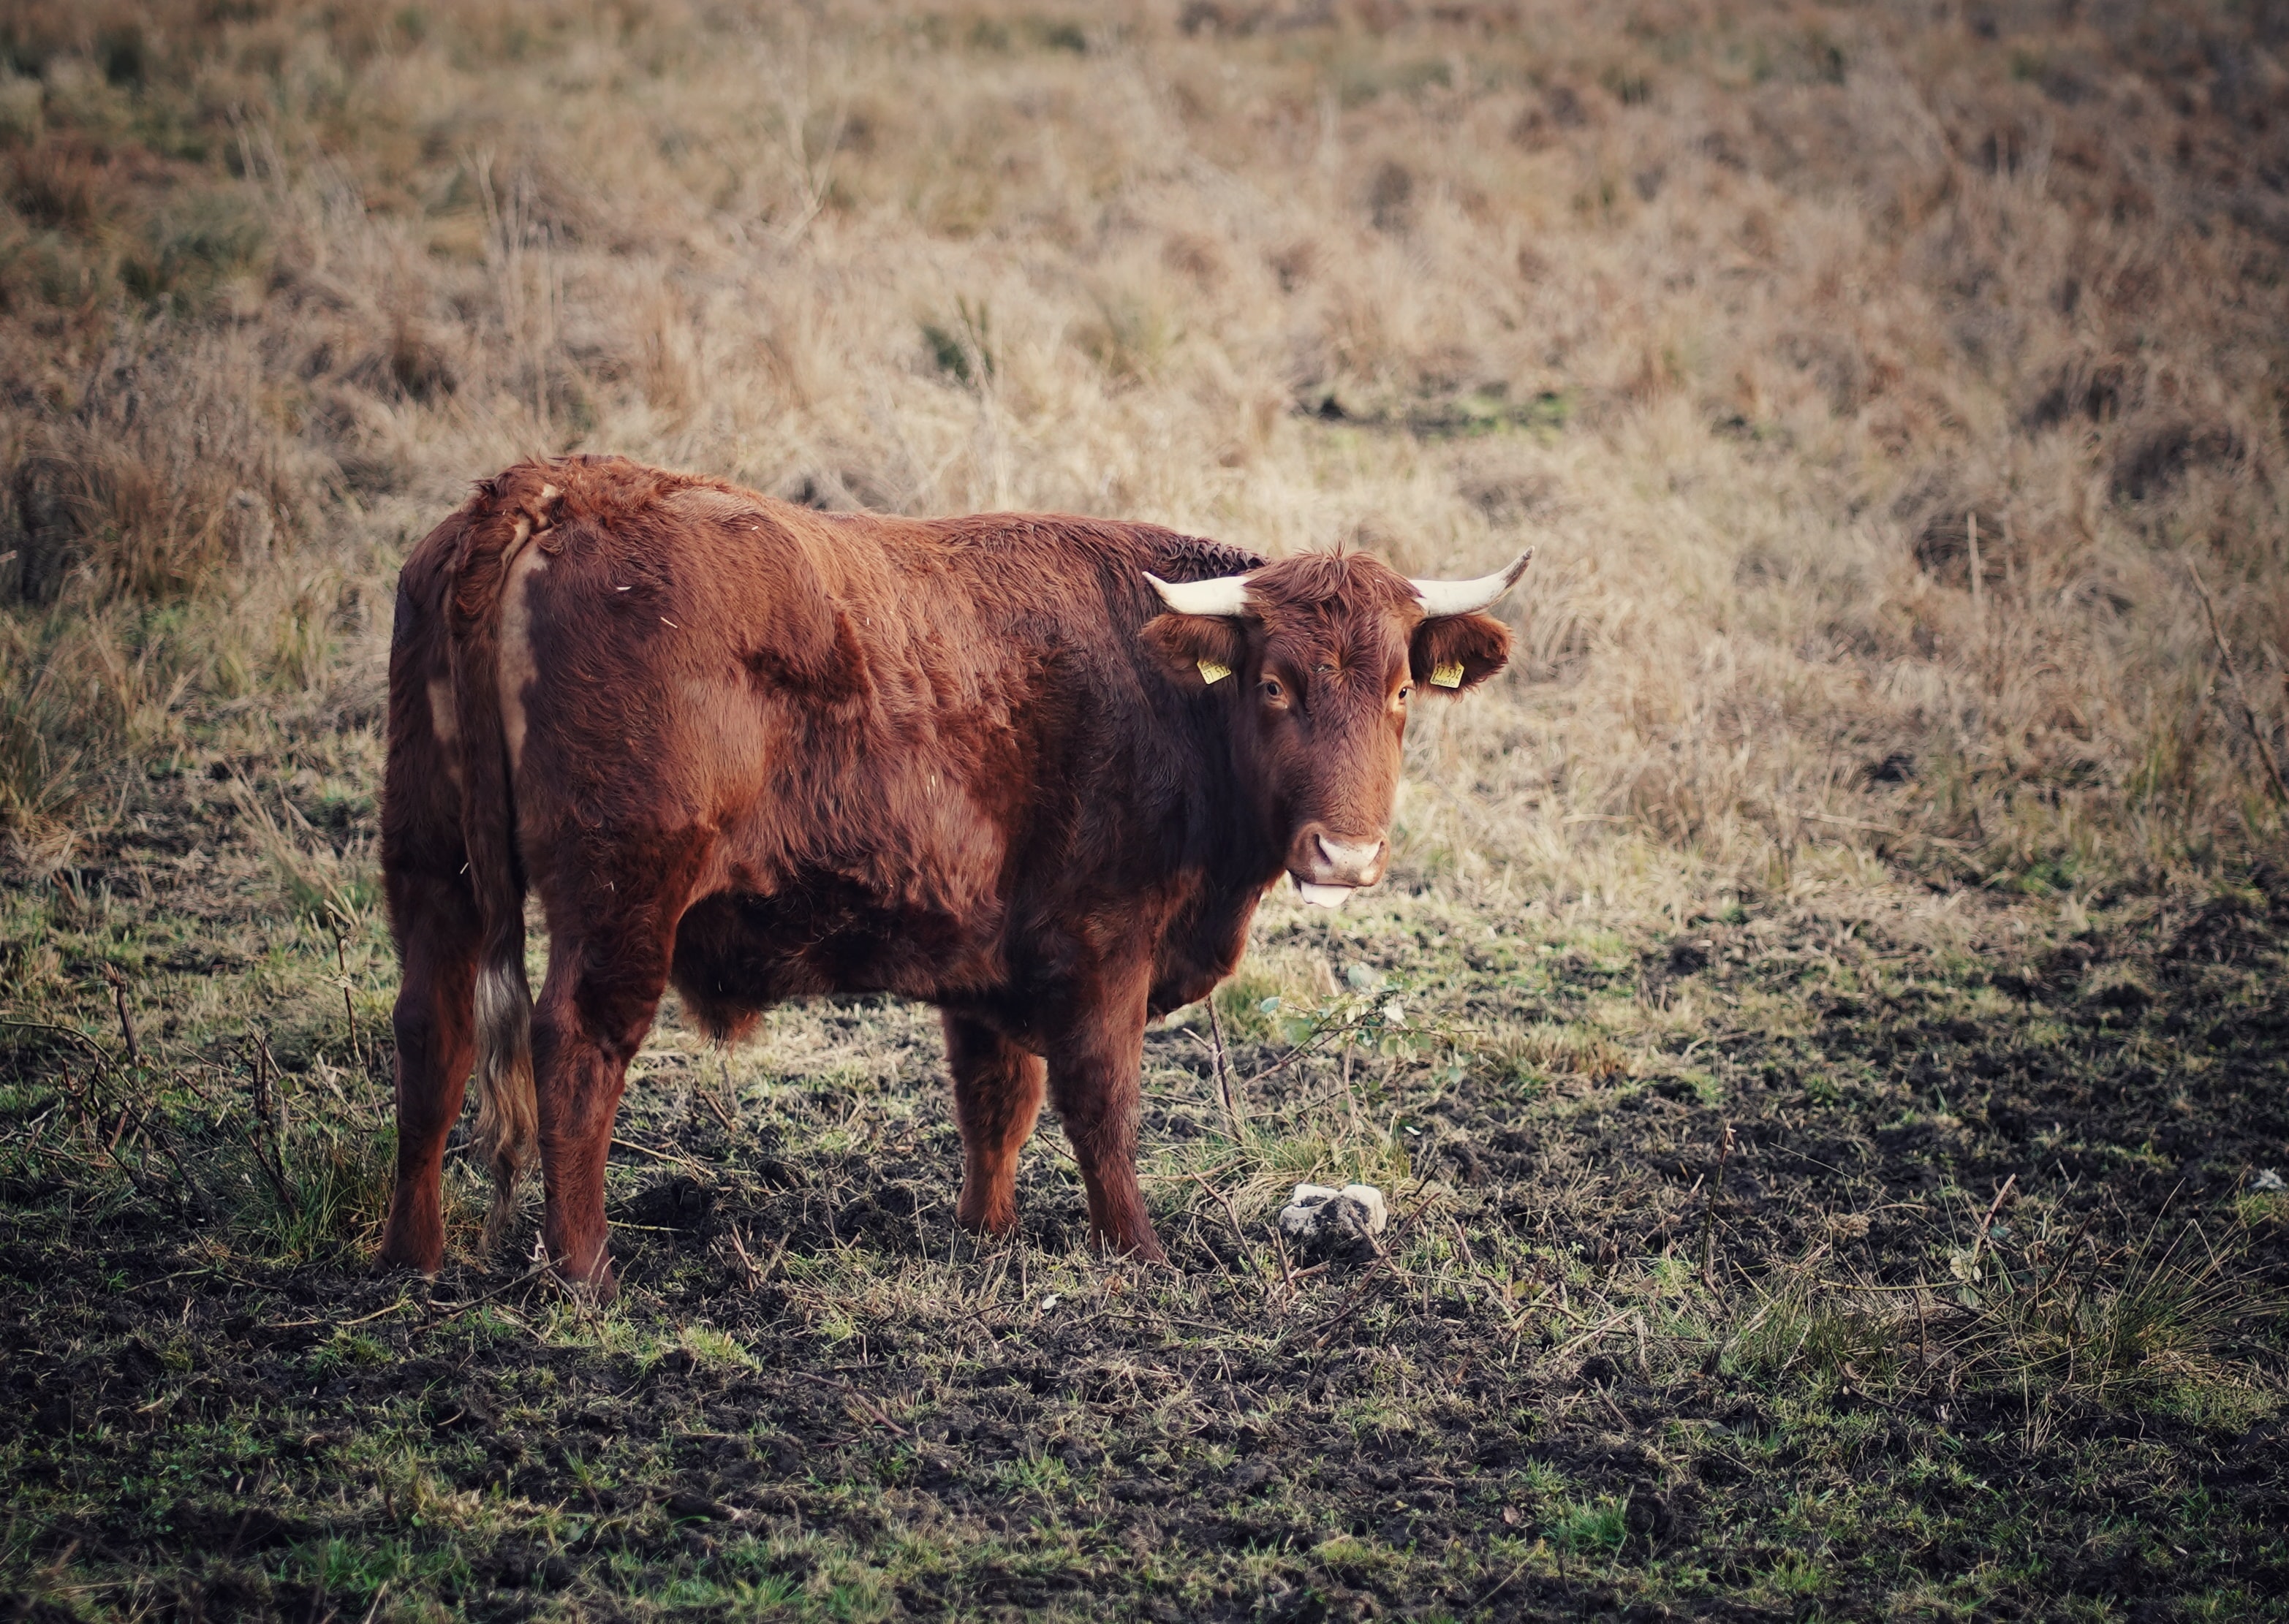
1037, 771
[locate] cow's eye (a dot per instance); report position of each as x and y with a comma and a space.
1405, 689
1272, 689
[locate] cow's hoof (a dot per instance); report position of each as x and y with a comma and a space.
595, 1285
594, 1292
423, 1259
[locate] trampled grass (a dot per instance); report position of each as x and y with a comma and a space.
1824, 1037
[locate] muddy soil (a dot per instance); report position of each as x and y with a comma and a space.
1722, 1318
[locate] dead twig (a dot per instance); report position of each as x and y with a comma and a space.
105, 1151
1708, 1216
739, 1250
101, 1053
755, 1276
1237, 1233
1226, 1088
1343, 1311
1287, 1269
270, 1115
1382, 1260
1593, 1334
126, 1025
715, 1105
475, 1302
1501, 1585
271, 1171
669, 1156
269, 1102
131, 1124
852, 1391
1469, 1260
349, 1010
2233, 674
147, 1124
1979, 1241
1300, 1051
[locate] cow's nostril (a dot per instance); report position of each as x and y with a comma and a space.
1348, 857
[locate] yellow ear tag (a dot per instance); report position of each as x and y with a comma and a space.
1447, 674
1213, 671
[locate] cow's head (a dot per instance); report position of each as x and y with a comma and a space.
1322, 655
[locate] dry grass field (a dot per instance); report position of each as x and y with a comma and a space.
1825, 1038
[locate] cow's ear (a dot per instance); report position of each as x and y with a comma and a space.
1458, 651
1206, 648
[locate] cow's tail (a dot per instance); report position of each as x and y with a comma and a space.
508, 1112
507, 511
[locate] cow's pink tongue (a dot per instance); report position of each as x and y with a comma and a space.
1324, 896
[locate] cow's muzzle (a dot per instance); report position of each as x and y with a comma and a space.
1328, 867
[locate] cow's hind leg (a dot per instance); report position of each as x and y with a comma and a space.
603, 990
438, 932
997, 1095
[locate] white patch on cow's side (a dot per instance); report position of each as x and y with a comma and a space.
445, 725
518, 663
1324, 896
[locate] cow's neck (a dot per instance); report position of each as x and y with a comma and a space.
1242, 854
1204, 935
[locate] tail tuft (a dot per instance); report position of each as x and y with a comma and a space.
507, 1130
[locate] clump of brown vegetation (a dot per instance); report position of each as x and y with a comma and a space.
1873, 390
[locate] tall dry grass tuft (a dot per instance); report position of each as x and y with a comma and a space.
1868, 384
165, 475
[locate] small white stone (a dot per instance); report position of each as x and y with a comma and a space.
1049, 1303
2267, 1179
1319, 1212
1300, 1216
1369, 1196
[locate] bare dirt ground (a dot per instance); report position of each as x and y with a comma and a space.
1708, 1312
1826, 1040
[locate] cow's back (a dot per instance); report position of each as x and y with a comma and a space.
888, 748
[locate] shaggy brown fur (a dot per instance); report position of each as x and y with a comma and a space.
764, 752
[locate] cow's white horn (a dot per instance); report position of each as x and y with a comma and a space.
1441, 598
1227, 595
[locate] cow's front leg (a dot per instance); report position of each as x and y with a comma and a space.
997, 1095
1096, 1061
